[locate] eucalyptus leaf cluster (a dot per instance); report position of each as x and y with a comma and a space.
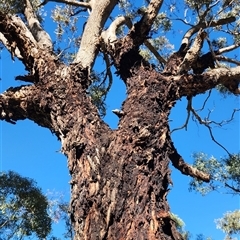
229, 223
225, 173
23, 208
17, 7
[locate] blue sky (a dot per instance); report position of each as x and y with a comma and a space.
33, 151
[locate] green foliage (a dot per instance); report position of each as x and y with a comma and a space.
17, 7
229, 223
180, 226
23, 208
224, 173
66, 19
98, 91
162, 22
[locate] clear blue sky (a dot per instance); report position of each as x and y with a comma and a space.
32, 151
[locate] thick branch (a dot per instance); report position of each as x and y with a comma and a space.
149, 16
191, 85
41, 36
19, 37
193, 53
90, 39
143, 27
228, 48
109, 36
185, 168
18, 104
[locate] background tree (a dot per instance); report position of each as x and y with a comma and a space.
120, 178
26, 212
23, 208
225, 178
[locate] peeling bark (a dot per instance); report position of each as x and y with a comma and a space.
120, 178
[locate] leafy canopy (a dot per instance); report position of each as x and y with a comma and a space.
23, 208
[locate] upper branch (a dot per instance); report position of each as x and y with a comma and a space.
142, 28
192, 85
109, 36
19, 37
193, 53
228, 48
41, 36
91, 36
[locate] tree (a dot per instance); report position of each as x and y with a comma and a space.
225, 177
120, 178
23, 208
27, 212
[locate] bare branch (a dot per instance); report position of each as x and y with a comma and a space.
187, 119
204, 25
193, 53
91, 36
189, 108
207, 123
70, 2
228, 48
224, 121
205, 101
233, 188
226, 59
39, 34
212, 137
185, 168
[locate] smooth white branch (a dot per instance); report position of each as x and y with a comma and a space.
91, 36
109, 36
193, 53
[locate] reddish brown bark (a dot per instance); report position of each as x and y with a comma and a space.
120, 178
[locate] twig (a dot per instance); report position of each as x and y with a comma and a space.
187, 119
206, 124
205, 101
233, 188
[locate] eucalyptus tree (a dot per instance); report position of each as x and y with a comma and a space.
23, 208
119, 178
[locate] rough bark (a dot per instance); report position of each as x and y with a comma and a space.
120, 178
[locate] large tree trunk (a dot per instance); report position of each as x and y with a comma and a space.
120, 177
